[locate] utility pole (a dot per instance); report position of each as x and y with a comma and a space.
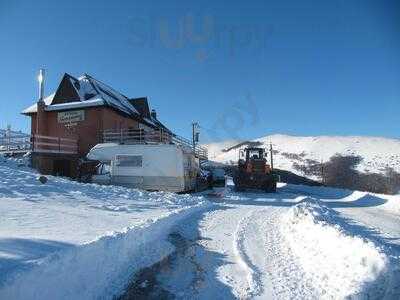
8, 134
195, 125
272, 156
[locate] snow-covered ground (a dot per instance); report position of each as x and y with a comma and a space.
66, 240
301, 243
377, 153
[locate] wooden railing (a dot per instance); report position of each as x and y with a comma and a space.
51, 144
38, 143
15, 142
139, 136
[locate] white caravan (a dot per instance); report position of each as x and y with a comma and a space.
157, 167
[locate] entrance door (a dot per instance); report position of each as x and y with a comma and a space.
62, 167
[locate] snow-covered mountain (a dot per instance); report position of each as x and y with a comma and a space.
378, 153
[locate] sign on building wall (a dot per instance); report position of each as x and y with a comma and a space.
72, 116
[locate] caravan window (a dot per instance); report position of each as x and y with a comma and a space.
128, 161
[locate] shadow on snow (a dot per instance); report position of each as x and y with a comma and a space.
17, 254
189, 272
285, 199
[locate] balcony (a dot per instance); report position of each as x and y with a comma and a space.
140, 136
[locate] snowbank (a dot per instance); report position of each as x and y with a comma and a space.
340, 263
68, 240
100, 269
342, 198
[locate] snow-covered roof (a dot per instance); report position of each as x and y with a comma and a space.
150, 121
92, 92
111, 96
33, 108
89, 89
76, 104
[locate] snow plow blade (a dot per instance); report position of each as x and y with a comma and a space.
266, 183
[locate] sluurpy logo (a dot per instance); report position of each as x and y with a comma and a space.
203, 38
232, 121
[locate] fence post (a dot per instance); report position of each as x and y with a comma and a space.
120, 136
33, 142
59, 145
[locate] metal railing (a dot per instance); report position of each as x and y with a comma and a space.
140, 136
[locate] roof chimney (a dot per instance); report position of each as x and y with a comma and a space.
154, 114
41, 84
40, 115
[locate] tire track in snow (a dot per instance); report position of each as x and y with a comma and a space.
286, 277
253, 273
272, 269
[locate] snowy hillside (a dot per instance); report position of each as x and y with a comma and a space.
377, 153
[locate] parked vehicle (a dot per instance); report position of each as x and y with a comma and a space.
157, 167
254, 172
218, 177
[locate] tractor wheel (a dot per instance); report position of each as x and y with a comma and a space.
271, 187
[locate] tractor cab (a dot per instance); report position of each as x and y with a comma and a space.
254, 160
253, 153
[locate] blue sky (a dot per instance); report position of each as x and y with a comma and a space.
242, 70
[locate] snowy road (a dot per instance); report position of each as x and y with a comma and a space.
68, 240
266, 247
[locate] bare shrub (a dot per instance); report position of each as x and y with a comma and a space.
340, 171
310, 167
393, 180
293, 156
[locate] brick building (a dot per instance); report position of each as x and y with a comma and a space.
69, 122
